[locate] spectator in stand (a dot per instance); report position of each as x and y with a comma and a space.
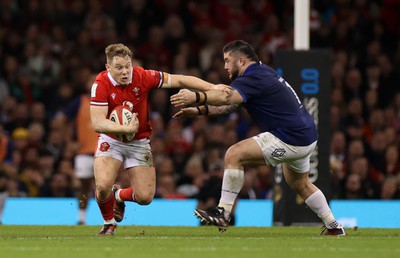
18, 117
31, 181
389, 79
265, 182
193, 176
46, 163
337, 160
353, 188
20, 144
392, 160
391, 136
337, 73
36, 135
166, 188
354, 121
376, 123
153, 51
249, 190
166, 167
376, 156
59, 186
360, 166
390, 189
210, 192
371, 103
25, 89
353, 83
355, 149
5, 147
37, 113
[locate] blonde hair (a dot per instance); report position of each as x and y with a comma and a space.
117, 50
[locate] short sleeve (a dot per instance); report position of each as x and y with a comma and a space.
98, 94
246, 88
152, 78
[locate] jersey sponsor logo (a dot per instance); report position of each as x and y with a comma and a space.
277, 153
93, 90
104, 146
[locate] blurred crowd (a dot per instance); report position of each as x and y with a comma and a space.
49, 49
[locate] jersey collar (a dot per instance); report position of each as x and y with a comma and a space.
114, 82
251, 67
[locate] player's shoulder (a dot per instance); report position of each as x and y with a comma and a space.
102, 77
265, 70
141, 74
266, 74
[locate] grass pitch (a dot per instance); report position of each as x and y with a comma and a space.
192, 242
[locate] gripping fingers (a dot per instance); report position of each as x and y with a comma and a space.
176, 100
178, 114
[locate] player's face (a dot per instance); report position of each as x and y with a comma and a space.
120, 69
231, 65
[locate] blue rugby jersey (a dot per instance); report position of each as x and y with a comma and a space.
274, 106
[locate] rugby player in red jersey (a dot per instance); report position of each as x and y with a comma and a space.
124, 84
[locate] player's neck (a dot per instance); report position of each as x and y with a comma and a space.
246, 65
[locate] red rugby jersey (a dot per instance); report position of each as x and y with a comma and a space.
106, 92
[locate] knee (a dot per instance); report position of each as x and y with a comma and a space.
102, 192
144, 199
232, 156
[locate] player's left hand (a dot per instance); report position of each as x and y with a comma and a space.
190, 112
183, 97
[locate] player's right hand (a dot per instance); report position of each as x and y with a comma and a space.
133, 126
190, 112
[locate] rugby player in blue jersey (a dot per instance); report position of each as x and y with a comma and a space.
288, 132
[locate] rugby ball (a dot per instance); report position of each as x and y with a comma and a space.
123, 116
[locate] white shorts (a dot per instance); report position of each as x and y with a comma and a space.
84, 166
132, 154
276, 152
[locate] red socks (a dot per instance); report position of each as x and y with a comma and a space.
107, 207
127, 194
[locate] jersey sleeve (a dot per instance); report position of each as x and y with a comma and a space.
246, 88
152, 78
98, 94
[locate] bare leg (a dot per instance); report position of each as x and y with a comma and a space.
246, 152
143, 185
313, 197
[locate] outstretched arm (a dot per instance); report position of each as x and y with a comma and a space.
190, 82
212, 97
204, 110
